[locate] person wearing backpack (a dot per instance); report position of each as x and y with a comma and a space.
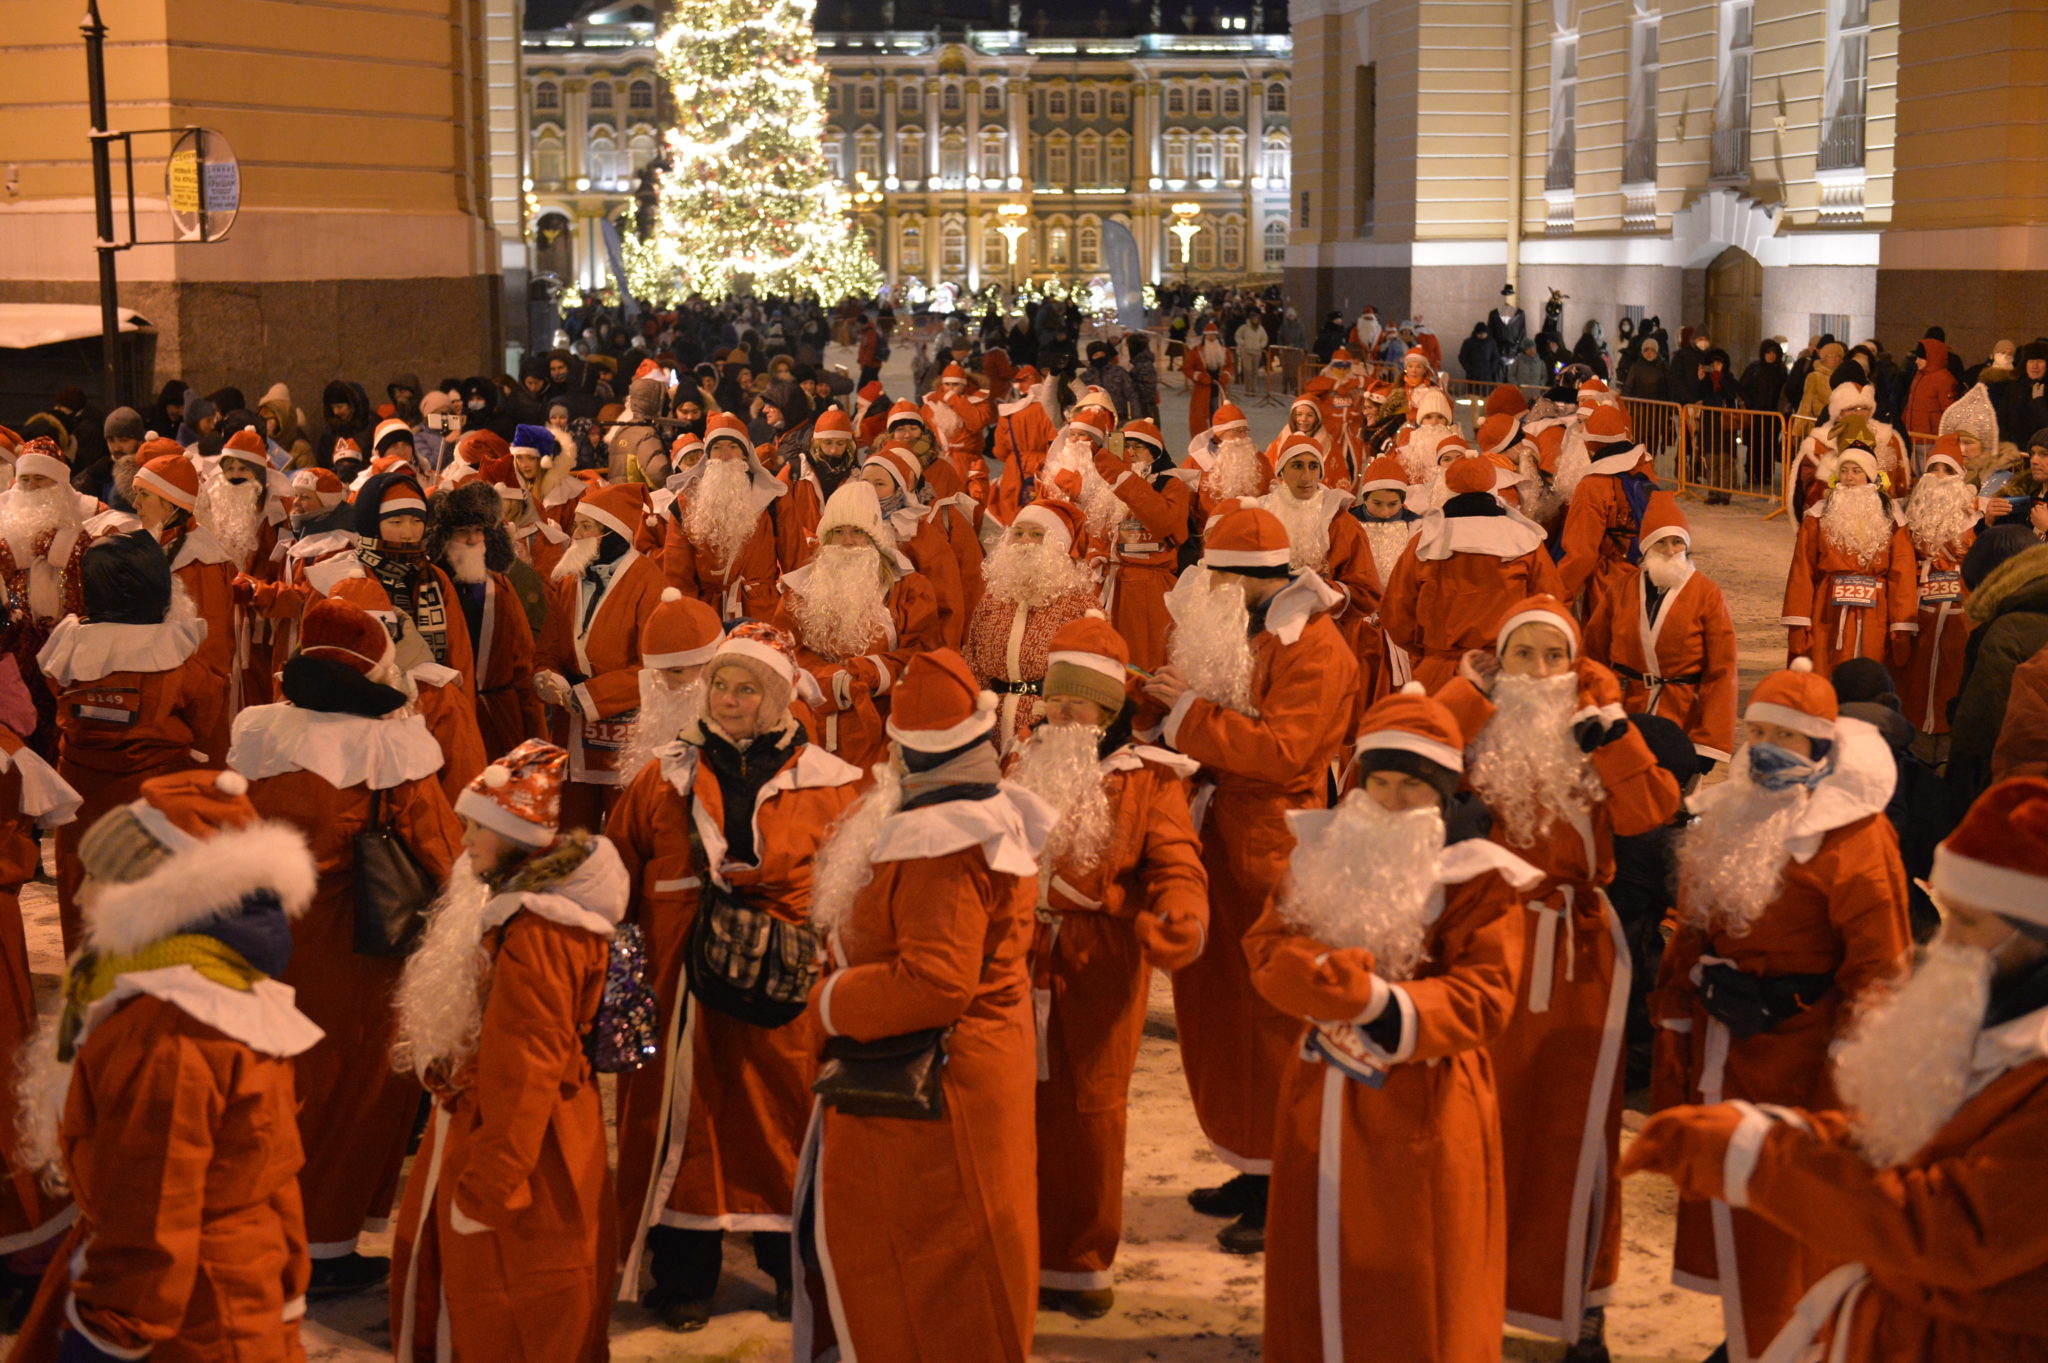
506, 1247
746, 785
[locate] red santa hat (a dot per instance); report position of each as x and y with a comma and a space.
247, 446
1384, 474
186, 808
648, 370
340, 631
1997, 859
905, 410
1538, 610
870, 392
504, 476
1610, 442
1298, 446
938, 705
1248, 540
680, 632
320, 484
1506, 400
726, 426
1662, 517
1146, 432
1210, 329
953, 371
1796, 698
1229, 418
1593, 392
1092, 420
684, 443
389, 431
618, 507
172, 477
156, 447
1425, 401
345, 447
1498, 433
402, 497
901, 465
1469, 473
519, 796
832, 423
1412, 721
1090, 660
1063, 522
1948, 449
45, 457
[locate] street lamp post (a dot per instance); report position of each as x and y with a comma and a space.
1184, 226
1012, 227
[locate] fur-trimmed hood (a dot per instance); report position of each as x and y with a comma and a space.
580, 882
206, 881
2021, 576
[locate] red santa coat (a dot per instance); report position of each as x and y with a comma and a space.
320, 773
959, 517
1234, 1046
1454, 581
1841, 907
132, 703
921, 537
1808, 487
746, 585
1397, 1187
32, 798
960, 421
1945, 1256
1680, 665
1205, 385
203, 569
1144, 903
926, 1231
601, 662
1599, 533
517, 1145
1007, 649
1349, 570
1559, 1063
855, 689
508, 712
1022, 434
1141, 562
1825, 585
723, 1154
1935, 675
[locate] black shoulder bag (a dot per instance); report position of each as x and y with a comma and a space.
393, 893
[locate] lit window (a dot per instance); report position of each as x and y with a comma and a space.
1205, 102
1276, 98
1276, 244
1119, 161
1205, 160
1233, 100
992, 159
547, 95
640, 96
1088, 246
1233, 160
1056, 238
1089, 103
547, 161
913, 249
1176, 100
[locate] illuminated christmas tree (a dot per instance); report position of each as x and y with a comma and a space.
747, 192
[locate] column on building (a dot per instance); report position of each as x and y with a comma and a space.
934, 156
889, 96
1020, 126
575, 129
1254, 169
970, 99
974, 248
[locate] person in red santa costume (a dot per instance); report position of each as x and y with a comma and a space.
1138, 505
33, 799
1666, 632
919, 1238
1400, 952
943, 486
1431, 422
547, 476
936, 539
469, 542
1024, 431
1121, 890
1852, 420
1387, 524
1037, 581
342, 753
1227, 464
1941, 517
1852, 590
859, 613
587, 666
1927, 1187
163, 1095
730, 538
758, 797
1090, 426
242, 503
1209, 370
321, 546
828, 464
1791, 910
1258, 688
165, 496
134, 699
1601, 539
506, 1246
1306, 419
960, 416
1563, 773
1468, 561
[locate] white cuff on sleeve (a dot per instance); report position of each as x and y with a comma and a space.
1746, 1146
580, 693
465, 1225
1170, 730
1382, 995
825, 1003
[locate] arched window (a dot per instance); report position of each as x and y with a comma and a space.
1276, 98
1088, 102
911, 243
1205, 250
547, 160
554, 247
1176, 99
604, 160
867, 155
600, 94
906, 98
953, 156
910, 154
1119, 102
993, 164
1205, 101
950, 103
1176, 156
1088, 160
640, 96
547, 95
1088, 245
953, 247
991, 97
1205, 158
1056, 102
1119, 173
1058, 244
1233, 244
1233, 156
835, 157
995, 252
864, 97
1276, 243
644, 146
1233, 101
1273, 159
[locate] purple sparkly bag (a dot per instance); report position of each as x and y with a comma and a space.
622, 1036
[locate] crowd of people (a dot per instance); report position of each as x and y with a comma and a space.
832, 772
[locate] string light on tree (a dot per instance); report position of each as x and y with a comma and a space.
747, 192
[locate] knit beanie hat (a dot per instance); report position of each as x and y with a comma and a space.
1089, 661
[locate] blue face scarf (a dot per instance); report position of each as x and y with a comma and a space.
1776, 768
892, 503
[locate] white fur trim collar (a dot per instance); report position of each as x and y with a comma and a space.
191, 886
591, 897
1504, 537
1288, 613
46, 797
1132, 756
81, 652
342, 750
199, 547
1009, 827
264, 1017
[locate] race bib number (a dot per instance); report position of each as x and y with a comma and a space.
609, 735
106, 705
1855, 591
1942, 586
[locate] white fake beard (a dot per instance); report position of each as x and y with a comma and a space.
1941, 514
466, 561
1365, 881
1857, 523
1029, 574
721, 515
1387, 539
581, 553
843, 609
1667, 573
1418, 453
1103, 508
1525, 764
1572, 466
1210, 640
1905, 1066
42, 1086
1213, 355
1307, 524
440, 997
234, 513
26, 515
1059, 764
1731, 860
1237, 469
842, 868
665, 713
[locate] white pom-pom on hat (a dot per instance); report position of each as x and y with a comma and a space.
1414, 688
497, 777
669, 594
651, 519
1093, 615
986, 701
231, 783
1802, 664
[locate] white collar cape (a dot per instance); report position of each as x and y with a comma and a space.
343, 750
264, 1017
198, 546
591, 898
1859, 785
1438, 536
1009, 827
1132, 756
78, 651
46, 797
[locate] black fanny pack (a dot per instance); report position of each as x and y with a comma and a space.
1749, 1005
